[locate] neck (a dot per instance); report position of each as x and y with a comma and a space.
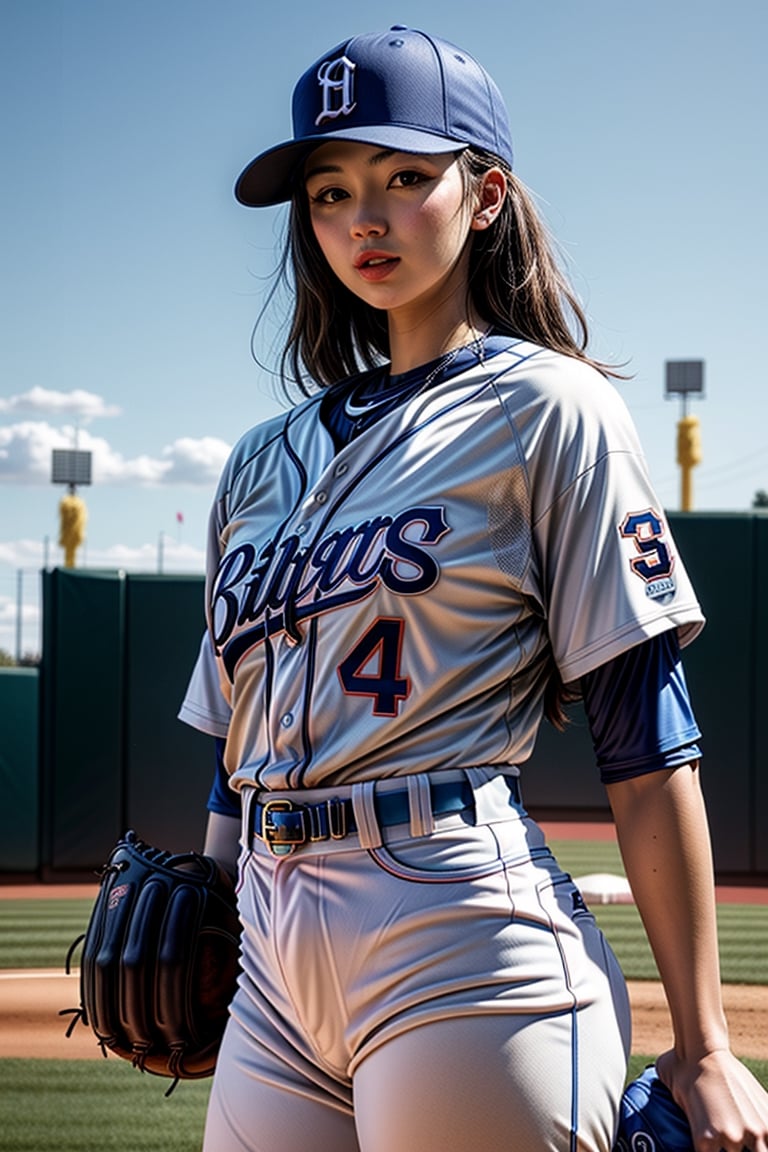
411, 347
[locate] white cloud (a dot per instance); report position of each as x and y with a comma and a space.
25, 457
166, 553
20, 590
20, 585
196, 461
29, 556
111, 467
25, 451
24, 637
21, 554
77, 404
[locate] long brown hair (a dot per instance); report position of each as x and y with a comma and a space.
515, 283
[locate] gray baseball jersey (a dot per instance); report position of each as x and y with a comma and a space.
396, 606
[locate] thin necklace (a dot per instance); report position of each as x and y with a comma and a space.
389, 395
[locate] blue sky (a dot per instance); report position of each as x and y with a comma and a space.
131, 279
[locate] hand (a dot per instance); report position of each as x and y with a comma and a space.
726, 1107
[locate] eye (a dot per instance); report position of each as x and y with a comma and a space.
328, 196
408, 178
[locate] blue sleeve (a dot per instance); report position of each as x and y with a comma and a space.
221, 798
639, 711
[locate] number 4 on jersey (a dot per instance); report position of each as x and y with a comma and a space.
372, 667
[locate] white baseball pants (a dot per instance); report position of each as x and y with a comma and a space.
440, 992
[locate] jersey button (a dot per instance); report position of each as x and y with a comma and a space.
287, 719
302, 528
321, 497
341, 469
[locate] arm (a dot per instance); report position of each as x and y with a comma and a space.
664, 839
205, 709
222, 840
223, 827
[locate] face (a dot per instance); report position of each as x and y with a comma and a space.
393, 226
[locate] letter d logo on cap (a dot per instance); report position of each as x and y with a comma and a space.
336, 79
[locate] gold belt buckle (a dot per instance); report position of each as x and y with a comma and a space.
282, 838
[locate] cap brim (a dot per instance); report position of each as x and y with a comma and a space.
269, 179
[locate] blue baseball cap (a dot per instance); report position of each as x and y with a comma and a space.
400, 89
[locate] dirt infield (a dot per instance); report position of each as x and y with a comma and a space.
746, 1006
30, 1001
30, 1024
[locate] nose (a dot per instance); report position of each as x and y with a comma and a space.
367, 222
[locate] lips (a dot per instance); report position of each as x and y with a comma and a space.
374, 265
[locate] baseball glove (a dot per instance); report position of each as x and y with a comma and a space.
160, 960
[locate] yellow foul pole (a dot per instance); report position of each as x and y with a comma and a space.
73, 516
689, 454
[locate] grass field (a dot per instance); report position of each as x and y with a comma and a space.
96, 1106
37, 933
100, 1106
104, 1106
743, 928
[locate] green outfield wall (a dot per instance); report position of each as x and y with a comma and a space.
90, 744
19, 770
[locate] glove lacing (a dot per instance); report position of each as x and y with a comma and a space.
80, 1013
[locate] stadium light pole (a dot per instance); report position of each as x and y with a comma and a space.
685, 378
73, 468
19, 610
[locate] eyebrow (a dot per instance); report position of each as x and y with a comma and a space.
330, 169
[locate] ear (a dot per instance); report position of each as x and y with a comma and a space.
492, 194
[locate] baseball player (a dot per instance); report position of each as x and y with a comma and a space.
451, 533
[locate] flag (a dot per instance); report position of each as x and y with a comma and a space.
179, 518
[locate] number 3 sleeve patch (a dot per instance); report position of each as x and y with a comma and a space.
654, 562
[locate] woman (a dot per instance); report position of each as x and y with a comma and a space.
449, 537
